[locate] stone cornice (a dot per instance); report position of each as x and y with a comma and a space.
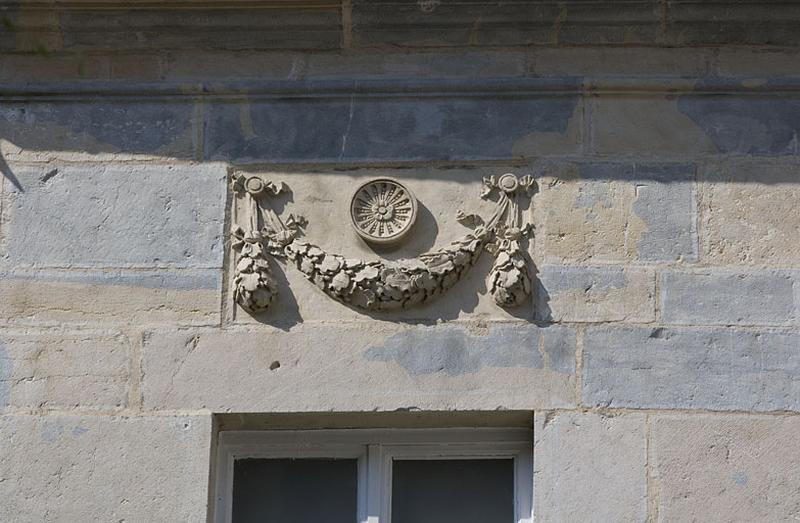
411, 88
81, 25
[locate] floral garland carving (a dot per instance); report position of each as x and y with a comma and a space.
380, 285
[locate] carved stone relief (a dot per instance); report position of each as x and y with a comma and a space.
383, 211
380, 285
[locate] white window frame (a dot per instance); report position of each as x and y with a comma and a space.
375, 451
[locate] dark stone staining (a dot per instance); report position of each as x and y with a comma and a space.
453, 351
662, 172
231, 28
95, 126
751, 124
414, 23
382, 128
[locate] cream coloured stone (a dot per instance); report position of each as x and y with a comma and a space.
134, 298
317, 195
55, 369
749, 212
60, 468
359, 367
589, 467
615, 212
595, 294
721, 468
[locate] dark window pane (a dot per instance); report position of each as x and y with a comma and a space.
453, 491
295, 490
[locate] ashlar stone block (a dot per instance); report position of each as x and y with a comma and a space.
589, 467
96, 468
719, 468
81, 369
370, 367
750, 212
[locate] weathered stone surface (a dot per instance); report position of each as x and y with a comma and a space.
93, 468
90, 126
63, 68
589, 467
649, 126
115, 215
131, 297
755, 62
313, 25
410, 23
595, 294
363, 64
613, 61
764, 125
750, 212
691, 368
731, 23
392, 128
85, 369
616, 212
370, 367
722, 297
726, 468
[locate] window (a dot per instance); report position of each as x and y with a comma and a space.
375, 476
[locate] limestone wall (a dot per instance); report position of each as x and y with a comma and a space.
660, 351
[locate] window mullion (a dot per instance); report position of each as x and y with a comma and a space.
374, 484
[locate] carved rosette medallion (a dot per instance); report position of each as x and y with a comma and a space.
383, 211
379, 285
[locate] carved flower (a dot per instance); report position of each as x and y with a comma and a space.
367, 273
244, 264
249, 281
331, 264
340, 282
306, 266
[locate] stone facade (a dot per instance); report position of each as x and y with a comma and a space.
659, 348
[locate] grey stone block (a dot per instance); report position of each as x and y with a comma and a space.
763, 125
595, 294
454, 351
617, 212
649, 126
116, 215
104, 468
664, 201
96, 125
390, 128
728, 298
691, 368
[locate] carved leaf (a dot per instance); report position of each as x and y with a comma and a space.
469, 220
340, 282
